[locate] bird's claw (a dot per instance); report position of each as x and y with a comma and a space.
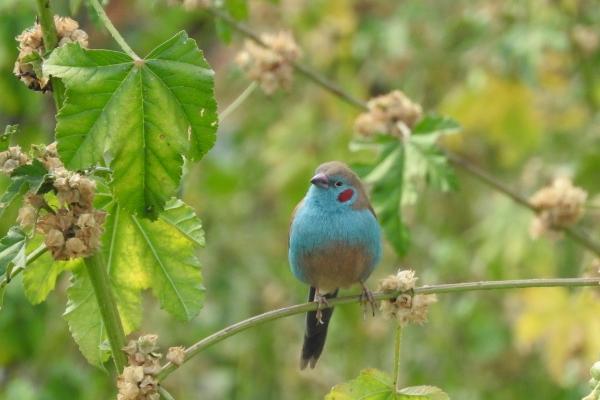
322, 303
366, 297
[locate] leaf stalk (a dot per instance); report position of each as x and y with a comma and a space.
108, 308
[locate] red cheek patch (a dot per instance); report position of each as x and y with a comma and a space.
345, 195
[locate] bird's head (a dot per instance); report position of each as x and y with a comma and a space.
336, 187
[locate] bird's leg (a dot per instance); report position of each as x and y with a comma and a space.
366, 297
322, 303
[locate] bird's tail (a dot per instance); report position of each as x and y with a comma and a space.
316, 332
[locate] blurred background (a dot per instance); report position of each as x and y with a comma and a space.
522, 77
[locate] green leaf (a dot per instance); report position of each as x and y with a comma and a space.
83, 317
159, 255
237, 8
5, 137
24, 178
435, 124
426, 165
139, 116
39, 278
387, 180
223, 31
12, 249
373, 384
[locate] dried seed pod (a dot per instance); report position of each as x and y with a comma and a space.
270, 66
32, 50
405, 308
559, 205
392, 114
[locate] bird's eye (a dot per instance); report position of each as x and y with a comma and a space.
338, 183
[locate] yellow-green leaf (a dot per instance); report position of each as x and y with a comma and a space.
373, 384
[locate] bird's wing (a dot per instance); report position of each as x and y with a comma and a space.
292, 218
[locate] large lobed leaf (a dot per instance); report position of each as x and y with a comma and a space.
373, 384
139, 116
156, 254
403, 170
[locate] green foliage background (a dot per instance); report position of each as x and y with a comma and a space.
510, 72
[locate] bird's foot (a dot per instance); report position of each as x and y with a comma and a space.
366, 298
322, 303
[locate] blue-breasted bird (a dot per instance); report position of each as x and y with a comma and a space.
334, 242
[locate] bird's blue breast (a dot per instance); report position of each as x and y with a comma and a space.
351, 232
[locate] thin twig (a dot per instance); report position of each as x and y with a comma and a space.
303, 69
112, 30
34, 255
303, 308
458, 161
238, 101
398, 347
488, 179
165, 394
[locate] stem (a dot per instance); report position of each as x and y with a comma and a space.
238, 101
112, 30
305, 307
572, 232
34, 255
50, 37
456, 160
165, 394
397, 357
46, 20
489, 180
303, 69
108, 308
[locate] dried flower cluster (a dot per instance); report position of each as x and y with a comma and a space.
32, 49
392, 114
73, 229
270, 66
586, 38
558, 205
138, 380
12, 159
405, 308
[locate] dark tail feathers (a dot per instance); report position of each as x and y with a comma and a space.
316, 333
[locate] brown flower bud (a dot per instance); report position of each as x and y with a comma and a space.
271, 66
392, 114
176, 355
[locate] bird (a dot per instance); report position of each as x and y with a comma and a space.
334, 242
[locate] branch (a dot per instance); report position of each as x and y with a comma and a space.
238, 101
571, 231
112, 30
577, 236
238, 327
108, 308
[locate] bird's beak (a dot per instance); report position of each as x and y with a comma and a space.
320, 180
